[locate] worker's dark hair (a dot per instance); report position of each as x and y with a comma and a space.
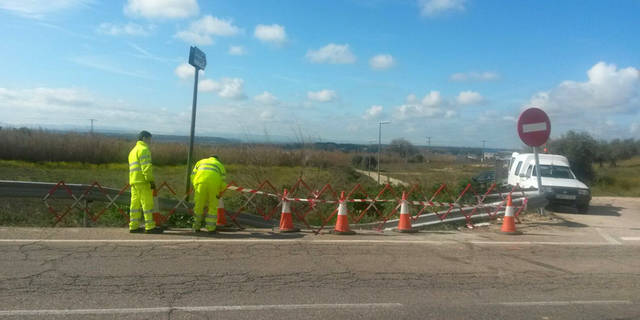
216, 156
143, 134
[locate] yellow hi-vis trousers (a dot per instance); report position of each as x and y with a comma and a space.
141, 202
206, 195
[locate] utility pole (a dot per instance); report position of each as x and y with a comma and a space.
380, 123
92, 120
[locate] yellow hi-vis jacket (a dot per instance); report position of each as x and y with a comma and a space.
209, 170
140, 169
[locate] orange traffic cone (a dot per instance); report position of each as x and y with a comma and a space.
222, 219
404, 224
509, 223
342, 222
286, 219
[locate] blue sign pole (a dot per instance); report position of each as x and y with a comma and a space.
198, 60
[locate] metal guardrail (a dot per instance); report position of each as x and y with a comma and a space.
40, 190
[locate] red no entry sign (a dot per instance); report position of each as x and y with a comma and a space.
534, 127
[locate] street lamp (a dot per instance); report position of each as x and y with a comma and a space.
380, 123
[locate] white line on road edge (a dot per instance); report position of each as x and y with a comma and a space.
198, 309
546, 243
630, 238
560, 303
298, 241
607, 237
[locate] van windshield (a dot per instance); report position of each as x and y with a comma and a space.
551, 171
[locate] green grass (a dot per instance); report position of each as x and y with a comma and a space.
622, 180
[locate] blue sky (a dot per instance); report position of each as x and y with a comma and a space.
459, 71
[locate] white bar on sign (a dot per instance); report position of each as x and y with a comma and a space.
534, 127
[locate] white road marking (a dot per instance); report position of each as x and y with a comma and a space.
607, 237
561, 303
49, 312
299, 241
534, 127
549, 243
630, 238
320, 241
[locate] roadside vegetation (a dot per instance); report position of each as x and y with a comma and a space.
611, 168
39, 155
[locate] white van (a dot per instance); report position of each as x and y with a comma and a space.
559, 184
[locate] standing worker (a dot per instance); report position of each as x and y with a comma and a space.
208, 178
141, 181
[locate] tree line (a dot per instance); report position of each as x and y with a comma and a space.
583, 151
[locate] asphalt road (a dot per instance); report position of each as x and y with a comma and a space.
570, 267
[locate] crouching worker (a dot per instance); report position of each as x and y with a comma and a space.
208, 178
141, 181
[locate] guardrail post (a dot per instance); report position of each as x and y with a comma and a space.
84, 215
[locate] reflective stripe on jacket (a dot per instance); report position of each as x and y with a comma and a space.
140, 167
208, 169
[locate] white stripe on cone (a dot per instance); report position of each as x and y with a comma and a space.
342, 209
286, 206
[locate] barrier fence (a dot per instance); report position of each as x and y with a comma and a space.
307, 204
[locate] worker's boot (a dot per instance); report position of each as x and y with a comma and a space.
156, 230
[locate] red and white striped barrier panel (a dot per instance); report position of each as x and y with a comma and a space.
313, 207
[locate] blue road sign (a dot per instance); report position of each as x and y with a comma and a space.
197, 58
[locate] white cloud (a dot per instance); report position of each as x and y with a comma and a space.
266, 98
37, 9
382, 61
474, 76
237, 50
608, 89
52, 106
267, 115
429, 107
106, 64
469, 98
130, 29
332, 53
431, 8
207, 85
413, 99
634, 128
228, 88
186, 71
161, 9
273, 34
432, 100
200, 32
322, 95
373, 113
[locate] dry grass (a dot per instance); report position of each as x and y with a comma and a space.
621, 180
45, 146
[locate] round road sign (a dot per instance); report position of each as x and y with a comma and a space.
534, 127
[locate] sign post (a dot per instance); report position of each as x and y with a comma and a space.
198, 60
534, 128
